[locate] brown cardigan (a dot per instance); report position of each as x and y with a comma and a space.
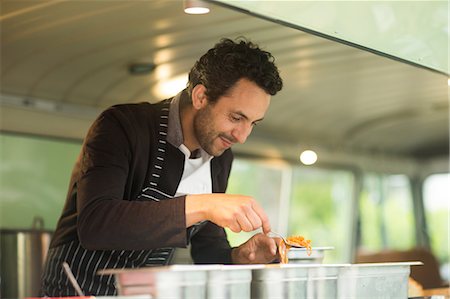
107, 209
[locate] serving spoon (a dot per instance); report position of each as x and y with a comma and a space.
286, 241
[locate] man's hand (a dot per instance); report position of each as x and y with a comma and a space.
237, 212
260, 249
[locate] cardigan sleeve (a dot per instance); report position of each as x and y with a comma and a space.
105, 219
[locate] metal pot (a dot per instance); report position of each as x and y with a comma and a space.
23, 253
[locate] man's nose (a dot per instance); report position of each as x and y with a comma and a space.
242, 132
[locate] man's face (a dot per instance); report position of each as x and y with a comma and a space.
231, 119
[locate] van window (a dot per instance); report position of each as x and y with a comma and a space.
315, 203
386, 213
321, 207
261, 180
436, 196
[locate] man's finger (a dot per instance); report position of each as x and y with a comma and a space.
244, 223
266, 227
254, 219
269, 243
273, 247
263, 216
235, 226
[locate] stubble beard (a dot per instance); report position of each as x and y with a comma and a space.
205, 133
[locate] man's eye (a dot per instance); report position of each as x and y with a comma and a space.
235, 118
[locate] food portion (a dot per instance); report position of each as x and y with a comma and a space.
300, 241
283, 251
284, 248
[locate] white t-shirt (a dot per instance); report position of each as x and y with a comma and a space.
196, 177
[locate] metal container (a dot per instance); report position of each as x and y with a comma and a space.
375, 280
279, 281
186, 281
180, 282
230, 281
300, 255
177, 281
323, 280
382, 280
23, 253
296, 281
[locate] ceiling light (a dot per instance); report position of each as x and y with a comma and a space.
169, 87
195, 7
308, 157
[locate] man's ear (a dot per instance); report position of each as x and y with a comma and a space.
199, 99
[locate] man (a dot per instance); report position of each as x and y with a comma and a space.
152, 177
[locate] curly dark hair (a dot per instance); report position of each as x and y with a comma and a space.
222, 66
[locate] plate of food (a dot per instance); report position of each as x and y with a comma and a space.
298, 249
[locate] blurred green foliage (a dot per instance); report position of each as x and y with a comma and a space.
34, 175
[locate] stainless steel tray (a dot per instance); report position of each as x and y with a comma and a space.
290, 281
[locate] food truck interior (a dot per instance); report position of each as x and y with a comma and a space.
366, 88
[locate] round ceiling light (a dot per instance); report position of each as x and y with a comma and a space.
195, 7
308, 157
